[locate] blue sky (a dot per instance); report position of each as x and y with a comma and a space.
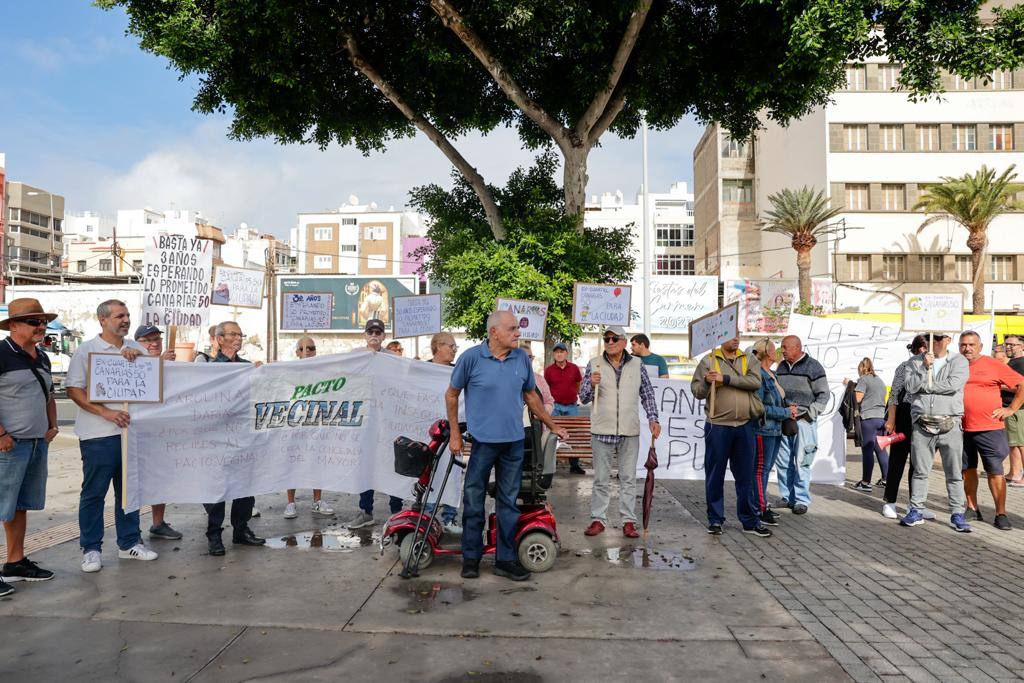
89, 115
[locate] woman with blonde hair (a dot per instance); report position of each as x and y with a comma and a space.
768, 430
870, 393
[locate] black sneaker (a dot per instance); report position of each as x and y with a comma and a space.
577, 470
215, 545
5, 589
799, 509
471, 569
977, 514
880, 482
759, 531
511, 569
25, 570
715, 529
1002, 523
769, 518
164, 531
862, 486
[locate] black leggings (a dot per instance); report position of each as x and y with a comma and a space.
899, 453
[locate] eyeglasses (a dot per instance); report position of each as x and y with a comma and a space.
455, 347
375, 333
31, 322
612, 340
151, 342
233, 334
307, 348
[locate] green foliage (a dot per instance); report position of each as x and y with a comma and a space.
801, 215
540, 259
972, 200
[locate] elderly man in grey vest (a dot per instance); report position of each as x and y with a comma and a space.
616, 383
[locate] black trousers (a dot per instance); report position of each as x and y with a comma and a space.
241, 513
899, 454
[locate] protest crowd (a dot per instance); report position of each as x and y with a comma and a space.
762, 409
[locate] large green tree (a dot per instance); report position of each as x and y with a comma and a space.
539, 260
364, 72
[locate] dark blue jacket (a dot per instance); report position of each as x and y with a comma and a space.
775, 409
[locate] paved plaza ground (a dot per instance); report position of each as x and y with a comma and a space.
837, 594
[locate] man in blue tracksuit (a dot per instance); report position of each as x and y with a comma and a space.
806, 387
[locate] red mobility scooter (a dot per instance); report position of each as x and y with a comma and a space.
420, 535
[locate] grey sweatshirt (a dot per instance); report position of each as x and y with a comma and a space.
946, 395
805, 385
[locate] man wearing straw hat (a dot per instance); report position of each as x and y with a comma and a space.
99, 428
28, 423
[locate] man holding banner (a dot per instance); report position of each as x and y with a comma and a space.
99, 427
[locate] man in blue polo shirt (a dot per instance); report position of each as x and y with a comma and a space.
497, 377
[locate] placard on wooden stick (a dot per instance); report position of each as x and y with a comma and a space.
111, 378
415, 315
601, 304
933, 312
532, 317
709, 331
242, 287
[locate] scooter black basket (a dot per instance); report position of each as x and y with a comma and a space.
411, 457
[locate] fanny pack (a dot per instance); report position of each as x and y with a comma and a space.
938, 424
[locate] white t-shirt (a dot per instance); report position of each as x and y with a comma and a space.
87, 425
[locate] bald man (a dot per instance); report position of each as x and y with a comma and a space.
306, 348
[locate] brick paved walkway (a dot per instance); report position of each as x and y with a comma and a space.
891, 603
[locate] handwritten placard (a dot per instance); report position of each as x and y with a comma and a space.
111, 378
933, 312
676, 301
306, 310
594, 304
711, 330
416, 315
177, 281
532, 317
238, 287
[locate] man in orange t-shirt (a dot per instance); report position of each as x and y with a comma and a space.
984, 433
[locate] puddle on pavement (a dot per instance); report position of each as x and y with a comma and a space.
332, 540
657, 559
426, 596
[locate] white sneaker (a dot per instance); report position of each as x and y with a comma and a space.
137, 552
453, 528
289, 511
927, 514
889, 511
323, 509
91, 561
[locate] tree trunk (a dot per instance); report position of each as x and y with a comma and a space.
977, 242
803, 268
574, 182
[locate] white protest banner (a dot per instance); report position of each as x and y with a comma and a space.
416, 315
709, 331
594, 304
227, 430
306, 310
933, 312
532, 317
678, 300
177, 281
238, 287
111, 378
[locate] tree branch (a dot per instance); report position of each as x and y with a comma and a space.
599, 107
607, 118
470, 173
451, 18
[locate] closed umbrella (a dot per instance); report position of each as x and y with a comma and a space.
650, 465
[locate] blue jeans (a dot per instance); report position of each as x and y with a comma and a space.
506, 459
447, 514
366, 502
101, 465
767, 452
794, 463
567, 410
732, 447
869, 448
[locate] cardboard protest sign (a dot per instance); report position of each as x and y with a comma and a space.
532, 317
416, 315
306, 310
709, 331
933, 312
177, 281
111, 378
241, 287
595, 304
676, 300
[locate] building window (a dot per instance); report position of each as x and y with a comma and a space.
892, 138
323, 234
323, 262
894, 268
855, 138
1000, 80
81, 266
347, 247
348, 221
137, 265
857, 197
377, 261
889, 75
688, 234
928, 137
965, 137
1002, 137
668, 264
893, 197
963, 268
669, 236
13, 214
375, 233
860, 267
854, 76
1002, 269
106, 265
733, 149
737, 191
931, 268
689, 265
961, 83
422, 288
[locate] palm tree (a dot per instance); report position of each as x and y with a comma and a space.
973, 201
802, 215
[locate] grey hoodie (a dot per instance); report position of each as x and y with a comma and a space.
946, 395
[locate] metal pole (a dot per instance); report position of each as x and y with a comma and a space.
645, 237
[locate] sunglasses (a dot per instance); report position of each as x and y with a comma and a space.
611, 340
32, 322
375, 333
307, 348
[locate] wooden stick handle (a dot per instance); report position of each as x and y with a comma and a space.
124, 459
711, 400
172, 336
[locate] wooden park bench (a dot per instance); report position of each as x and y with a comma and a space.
579, 437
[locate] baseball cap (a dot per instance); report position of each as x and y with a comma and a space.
146, 330
614, 329
560, 346
374, 324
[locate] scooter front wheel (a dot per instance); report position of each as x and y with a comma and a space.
405, 550
537, 552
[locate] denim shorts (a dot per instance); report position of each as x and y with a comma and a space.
23, 477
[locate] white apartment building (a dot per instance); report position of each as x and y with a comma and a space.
249, 248
874, 152
87, 225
